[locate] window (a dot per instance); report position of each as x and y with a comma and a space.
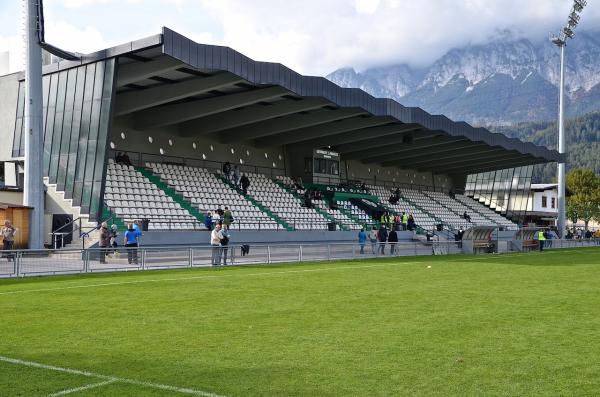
553, 202
544, 202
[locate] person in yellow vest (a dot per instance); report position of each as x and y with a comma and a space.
390, 221
383, 218
541, 239
404, 220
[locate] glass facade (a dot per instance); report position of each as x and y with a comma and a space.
76, 120
505, 191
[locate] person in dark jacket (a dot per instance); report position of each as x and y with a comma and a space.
393, 240
382, 235
411, 223
104, 242
208, 221
245, 182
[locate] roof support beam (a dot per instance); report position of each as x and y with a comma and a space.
468, 160
499, 163
131, 101
397, 148
309, 133
443, 153
362, 135
290, 123
180, 112
378, 142
249, 115
138, 71
494, 167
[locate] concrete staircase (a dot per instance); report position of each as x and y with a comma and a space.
56, 203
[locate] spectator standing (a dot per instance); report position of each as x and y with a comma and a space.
362, 239
541, 239
597, 236
226, 236
382, 237
373, 239
404, 221
226, 169
227, 217
588, 234
245, 183
8, 238
131, 241
459, 236
208, 221
215, 242
114, 233
125, 159
104, 242
236, 175
393, 240
411, 223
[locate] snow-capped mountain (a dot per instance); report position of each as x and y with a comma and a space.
504, 81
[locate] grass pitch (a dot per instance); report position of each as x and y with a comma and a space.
512, 325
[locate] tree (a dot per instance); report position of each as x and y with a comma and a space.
584, 202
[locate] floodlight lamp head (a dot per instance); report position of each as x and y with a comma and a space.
568, 32
579, 4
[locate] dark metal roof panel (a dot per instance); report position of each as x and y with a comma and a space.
211, 57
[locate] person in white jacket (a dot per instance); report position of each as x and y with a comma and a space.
215, 242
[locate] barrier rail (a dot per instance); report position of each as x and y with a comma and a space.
23, 263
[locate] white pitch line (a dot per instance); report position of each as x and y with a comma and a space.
158, 280
82, 388
112, 379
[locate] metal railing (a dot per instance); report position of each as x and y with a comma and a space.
23, 263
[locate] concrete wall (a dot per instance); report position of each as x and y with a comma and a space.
536, 202
376, 173
137, 141
9, 92
156, 238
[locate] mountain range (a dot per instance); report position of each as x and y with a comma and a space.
505, 81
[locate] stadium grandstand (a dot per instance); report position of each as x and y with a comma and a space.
166, 129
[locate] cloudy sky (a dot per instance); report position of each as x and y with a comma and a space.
310, 36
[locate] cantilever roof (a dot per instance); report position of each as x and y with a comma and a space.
169, 80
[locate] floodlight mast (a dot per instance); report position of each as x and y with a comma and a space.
560, 41
33, 192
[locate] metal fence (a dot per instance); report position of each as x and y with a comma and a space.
22, 263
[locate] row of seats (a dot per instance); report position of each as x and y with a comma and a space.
422, 219
284, 204
142, 199
208, 193
487, 212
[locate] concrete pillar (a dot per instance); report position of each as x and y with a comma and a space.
33, 195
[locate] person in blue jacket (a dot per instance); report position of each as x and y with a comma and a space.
208, 221
131, 240
362, 240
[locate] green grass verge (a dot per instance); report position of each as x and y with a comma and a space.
495, 325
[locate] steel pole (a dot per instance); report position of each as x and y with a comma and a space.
561, 147
33, 195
